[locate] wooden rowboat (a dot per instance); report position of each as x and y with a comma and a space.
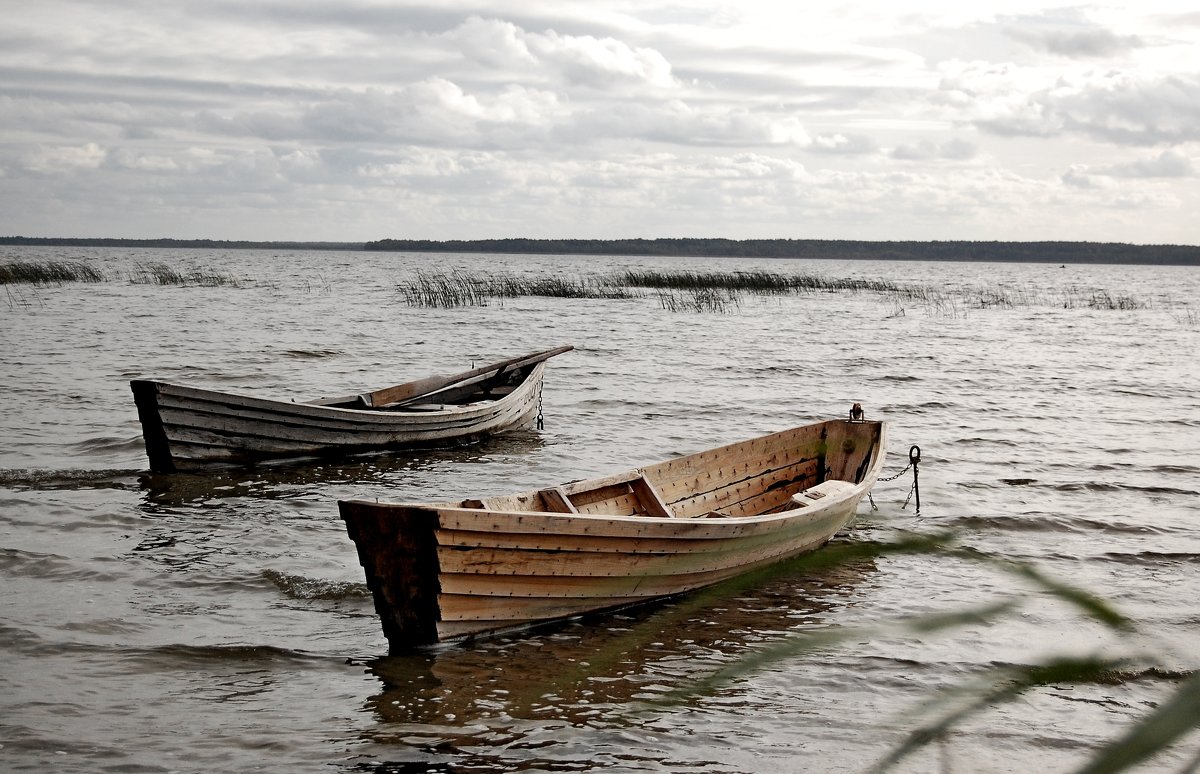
186, 428
441, 572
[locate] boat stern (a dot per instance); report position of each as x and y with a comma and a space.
397, 548
158, 446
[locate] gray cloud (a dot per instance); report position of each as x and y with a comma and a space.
842, 144
1118, 109
1085, 43
927, 150
1071, 33
1168, 164
343, 120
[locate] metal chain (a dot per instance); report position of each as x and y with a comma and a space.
914, 457
898, 475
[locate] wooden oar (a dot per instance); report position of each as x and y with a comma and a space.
408, 391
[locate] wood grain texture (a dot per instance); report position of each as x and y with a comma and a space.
187, 428
635, 536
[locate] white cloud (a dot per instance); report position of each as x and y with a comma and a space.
603, 62
492, 42
1167, 164
1111, 105
55, 160
927, 150
595, 62
1070, 33
841, 144
935, 119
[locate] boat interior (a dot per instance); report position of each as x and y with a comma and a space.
489, 387
786, 471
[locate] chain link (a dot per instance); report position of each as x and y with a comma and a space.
914, 457
898, 475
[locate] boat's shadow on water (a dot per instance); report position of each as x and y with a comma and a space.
601, 669
297, 477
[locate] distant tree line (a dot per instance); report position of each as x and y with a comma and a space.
1031, 252
211, 244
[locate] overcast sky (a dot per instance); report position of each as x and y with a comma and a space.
353, 120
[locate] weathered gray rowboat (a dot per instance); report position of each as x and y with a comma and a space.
441, 572
187, 428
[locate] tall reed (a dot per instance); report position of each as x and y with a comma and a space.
48, 272
162, 274
457, 288
756, 282
1157, 728
699, 300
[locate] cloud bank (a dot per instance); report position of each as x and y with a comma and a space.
358, 120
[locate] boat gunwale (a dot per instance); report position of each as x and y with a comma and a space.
857, 491
380, 415
544, 517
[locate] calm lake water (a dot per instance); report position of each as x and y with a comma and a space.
221, 623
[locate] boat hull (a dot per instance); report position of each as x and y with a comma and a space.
447, 572
187, 428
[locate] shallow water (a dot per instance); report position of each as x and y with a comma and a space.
220, 622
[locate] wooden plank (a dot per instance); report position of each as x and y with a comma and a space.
306, 428
191, 447
648, 497
602, 588
279, 420
730, 497
421, 387
612, 500
502, 563
707, 471
581, 487
224, 404
556, 500
587, 525
500, 569
397, 553
684, 484
580, 544
268, 435
624, 494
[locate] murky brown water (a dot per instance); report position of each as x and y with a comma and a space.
201, 623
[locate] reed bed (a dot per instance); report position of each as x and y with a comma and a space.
678, 290
722, 291
162, 274
755, 282
442, 289
457, 288
1101, 299
48, 272
699, 300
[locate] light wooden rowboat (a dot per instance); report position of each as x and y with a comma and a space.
186, 428
441, 572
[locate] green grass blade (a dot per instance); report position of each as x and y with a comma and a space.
1174, 718
1018, 681
1090, 604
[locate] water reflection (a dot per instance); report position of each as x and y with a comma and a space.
294, 478
602, 668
